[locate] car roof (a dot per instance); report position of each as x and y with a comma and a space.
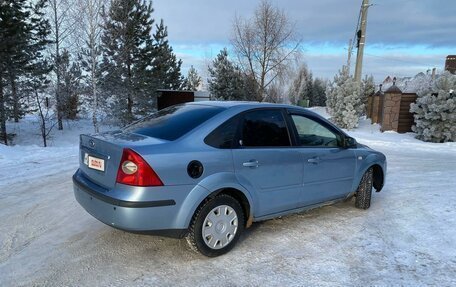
247, 104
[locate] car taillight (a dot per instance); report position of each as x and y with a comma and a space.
134, 170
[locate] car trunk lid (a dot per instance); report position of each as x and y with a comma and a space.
100, 154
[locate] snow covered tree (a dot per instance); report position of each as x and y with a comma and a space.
70, 85
39, 68
193, 80
435, 112
128, 52
304, 87
3, 133
15, 37
62, 27
301, 87
344, 101
8, 28
90, 54
23, 36
367, 89
38, 84
226, 82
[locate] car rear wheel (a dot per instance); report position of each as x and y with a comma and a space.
364, 191
216, 226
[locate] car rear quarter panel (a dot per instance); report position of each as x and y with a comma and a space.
170, 163
208, 186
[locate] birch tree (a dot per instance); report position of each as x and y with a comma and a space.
90, 22
62, 27
264, 45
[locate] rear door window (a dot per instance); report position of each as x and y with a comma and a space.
173, 122
264, 128
223, 136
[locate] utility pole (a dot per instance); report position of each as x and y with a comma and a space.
350, 48
361, 33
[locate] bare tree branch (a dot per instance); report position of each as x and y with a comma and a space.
264, 44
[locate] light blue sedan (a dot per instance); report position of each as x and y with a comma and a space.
207, 170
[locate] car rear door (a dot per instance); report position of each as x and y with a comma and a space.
328, 168
265, 161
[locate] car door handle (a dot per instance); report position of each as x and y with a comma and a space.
252, 163
314, 160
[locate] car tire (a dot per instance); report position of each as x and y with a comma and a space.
364, 191
216, 226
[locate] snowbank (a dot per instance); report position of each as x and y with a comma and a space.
405, 238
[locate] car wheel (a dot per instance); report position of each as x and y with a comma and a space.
364, 191
216, 226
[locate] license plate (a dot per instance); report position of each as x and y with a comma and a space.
94, 162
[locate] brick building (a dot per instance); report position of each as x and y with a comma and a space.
391, 109
450, 64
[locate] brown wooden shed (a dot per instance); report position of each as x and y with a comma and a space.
391, 106
167, 98
406, 119
396, 110
391, 109
376, 107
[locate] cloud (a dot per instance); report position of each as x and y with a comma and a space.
427, 22
403, 37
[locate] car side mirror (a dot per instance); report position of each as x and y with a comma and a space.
350, 142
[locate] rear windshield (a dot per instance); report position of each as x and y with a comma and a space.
173, 122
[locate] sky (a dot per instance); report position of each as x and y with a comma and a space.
404, 37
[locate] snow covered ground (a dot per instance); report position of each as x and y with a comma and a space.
407, 237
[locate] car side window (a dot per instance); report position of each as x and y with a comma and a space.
312, 133
222, 137
264, 128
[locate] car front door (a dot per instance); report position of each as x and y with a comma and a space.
265, 161
328, 167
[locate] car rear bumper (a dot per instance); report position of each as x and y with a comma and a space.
151, 217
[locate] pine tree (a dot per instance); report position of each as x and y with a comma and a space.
38, 70
70, 85
23, 33
166, 69
16, 33
226, 82
344, 101
247, 86
193, 80
435, 112
3, 133
308, 92
319, 93
128, 52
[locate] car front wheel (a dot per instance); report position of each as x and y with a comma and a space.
216, 226
364, 191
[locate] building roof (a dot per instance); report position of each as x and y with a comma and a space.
173, 91
393, 90
378, 93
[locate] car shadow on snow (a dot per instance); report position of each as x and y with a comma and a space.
117, 244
